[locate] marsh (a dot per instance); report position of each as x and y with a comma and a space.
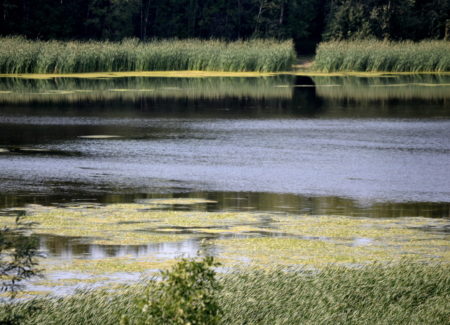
122, 175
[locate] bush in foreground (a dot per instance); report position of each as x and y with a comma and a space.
372, 55
18, 257
185, 295
18, 55
404, 293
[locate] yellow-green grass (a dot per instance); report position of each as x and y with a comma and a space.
398, 293
374, 56
18, 55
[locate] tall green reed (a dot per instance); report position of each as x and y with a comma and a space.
372, 56
403, 293
19, 55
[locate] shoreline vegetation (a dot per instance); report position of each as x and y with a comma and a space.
375, 56
405, 292
18, 55
21, 58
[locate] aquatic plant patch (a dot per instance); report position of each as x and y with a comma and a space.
236, 237
176, 201
99, 136
111, 265
320, 240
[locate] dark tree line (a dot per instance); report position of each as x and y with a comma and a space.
302, 20
388, 19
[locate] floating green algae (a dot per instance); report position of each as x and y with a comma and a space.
269, 251
130, 90
154, 74
99, 136
347, 228
71, 281
321, 240
176, 201
126, 224
111, 265
258, 238
27, 294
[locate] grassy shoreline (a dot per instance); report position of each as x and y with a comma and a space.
375, 56
401, 293
21, 58
18, 55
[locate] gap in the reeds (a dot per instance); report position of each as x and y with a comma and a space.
19, 55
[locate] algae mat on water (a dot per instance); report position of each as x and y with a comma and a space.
126, 241
150, 74
256, 237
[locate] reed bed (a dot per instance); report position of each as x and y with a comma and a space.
19, 55
403, 293
376, 56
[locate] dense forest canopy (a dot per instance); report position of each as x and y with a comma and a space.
302, 20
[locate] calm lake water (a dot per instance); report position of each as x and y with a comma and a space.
344, 146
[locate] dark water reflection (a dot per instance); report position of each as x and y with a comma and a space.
243, 201
67, 248
280, 96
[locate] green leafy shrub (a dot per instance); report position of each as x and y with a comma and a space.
187, 294
18, 254
18, 262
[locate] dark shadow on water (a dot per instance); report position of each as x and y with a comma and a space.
305, 101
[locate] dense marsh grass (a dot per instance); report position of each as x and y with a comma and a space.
404, 293
371, 56
18, 55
